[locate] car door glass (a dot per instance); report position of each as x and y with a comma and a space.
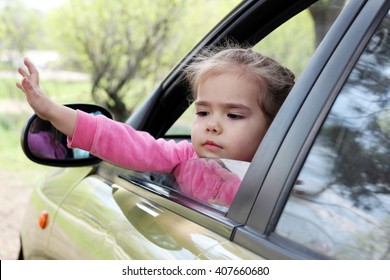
340, 204
209, 181
214, 181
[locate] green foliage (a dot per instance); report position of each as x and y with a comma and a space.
117, 42
9, 90
292, 44
10, 128
60, 91
68, 92
113, 20
20, 29
129, 45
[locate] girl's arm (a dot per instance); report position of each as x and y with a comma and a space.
63, 118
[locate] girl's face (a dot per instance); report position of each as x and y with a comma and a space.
228, 122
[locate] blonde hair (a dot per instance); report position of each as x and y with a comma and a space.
275, 81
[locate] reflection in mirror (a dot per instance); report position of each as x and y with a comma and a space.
46, 142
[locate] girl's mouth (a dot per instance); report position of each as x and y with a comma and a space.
210, 145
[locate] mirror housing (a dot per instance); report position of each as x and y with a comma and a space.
44, 144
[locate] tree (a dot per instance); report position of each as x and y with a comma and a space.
19, 29
130, 45
118, 42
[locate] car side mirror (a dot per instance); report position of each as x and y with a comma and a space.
44, 144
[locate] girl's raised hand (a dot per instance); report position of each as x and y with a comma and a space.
62, 117
38, 101
33, 74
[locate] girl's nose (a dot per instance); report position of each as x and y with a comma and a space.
213, 126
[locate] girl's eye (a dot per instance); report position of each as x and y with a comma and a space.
202, 113
235, 116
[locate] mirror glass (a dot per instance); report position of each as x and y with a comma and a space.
46, 142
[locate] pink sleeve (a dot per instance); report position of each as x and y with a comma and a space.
206, 179
228, 190
122, 145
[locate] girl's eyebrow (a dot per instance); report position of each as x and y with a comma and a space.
227, 105
202, 103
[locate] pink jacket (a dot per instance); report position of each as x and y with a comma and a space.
124, 146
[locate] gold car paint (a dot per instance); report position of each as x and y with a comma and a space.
99, 220
208, 217
47, 196
175, 232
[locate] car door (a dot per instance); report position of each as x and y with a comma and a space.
325, 195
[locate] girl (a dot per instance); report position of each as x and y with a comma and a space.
237, 92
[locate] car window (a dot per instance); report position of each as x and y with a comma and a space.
340, 204
213, 182
308, 29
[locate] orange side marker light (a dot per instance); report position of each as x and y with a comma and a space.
43, 217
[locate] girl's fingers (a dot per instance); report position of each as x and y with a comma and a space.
30, 89
31, 67
22, 72
26, 84
19, 85
33, 71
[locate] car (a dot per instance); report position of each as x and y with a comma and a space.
318, 186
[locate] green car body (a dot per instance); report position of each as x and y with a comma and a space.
100, 220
